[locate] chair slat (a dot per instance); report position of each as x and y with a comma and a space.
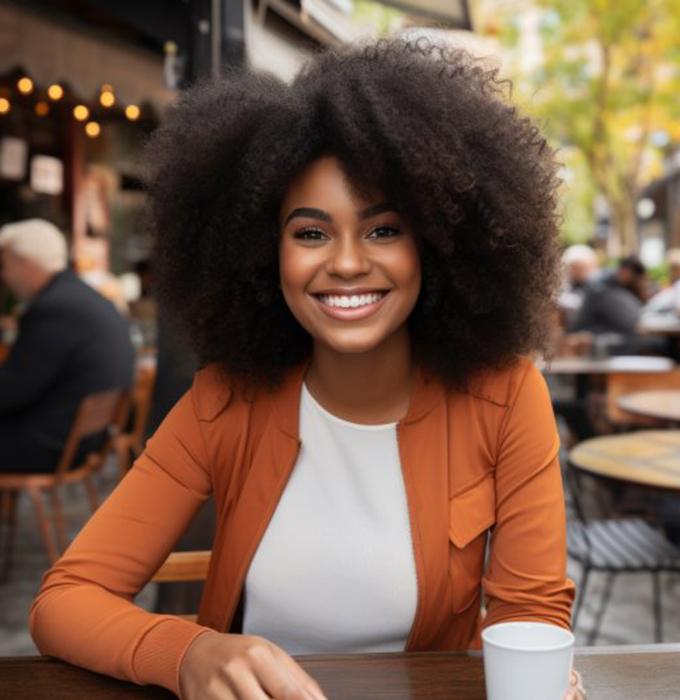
184, 566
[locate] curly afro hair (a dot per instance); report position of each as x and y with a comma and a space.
427, 125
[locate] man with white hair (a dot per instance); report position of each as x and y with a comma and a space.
71, 342
580, 265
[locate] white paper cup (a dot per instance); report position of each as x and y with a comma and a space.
527, 661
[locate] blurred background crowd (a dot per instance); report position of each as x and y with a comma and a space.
84, 82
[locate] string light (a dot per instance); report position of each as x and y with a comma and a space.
25, 85
5, 105
42, 109
107, 98
132, 112
55, 92
81, 112
92, 129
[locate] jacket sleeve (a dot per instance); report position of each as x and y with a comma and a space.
526, 574
41, 350
84, 612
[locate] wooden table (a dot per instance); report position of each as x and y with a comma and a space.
609, 365
646, 458
663, 404
609, 673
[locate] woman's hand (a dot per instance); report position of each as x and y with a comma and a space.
239, 667
576, 690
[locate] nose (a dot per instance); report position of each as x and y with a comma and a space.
348, 258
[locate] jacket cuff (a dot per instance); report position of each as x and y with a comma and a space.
160, 652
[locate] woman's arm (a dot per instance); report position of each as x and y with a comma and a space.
84, 612
526, 575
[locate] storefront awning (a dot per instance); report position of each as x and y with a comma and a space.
52, 52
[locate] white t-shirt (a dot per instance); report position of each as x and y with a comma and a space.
335, 571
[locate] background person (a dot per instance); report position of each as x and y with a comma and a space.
580, 265
612, 307
70, 342
666, 302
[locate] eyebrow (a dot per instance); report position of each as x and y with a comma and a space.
312, 213
308, 213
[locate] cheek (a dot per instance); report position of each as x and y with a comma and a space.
296, 271
293, 269
405, 267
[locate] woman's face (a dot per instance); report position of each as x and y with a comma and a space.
350, 271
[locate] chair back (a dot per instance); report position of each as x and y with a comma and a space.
596, 500
184, 566
621, 383
142, 393
97, 413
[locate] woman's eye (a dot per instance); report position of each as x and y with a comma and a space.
310, 234
384, 232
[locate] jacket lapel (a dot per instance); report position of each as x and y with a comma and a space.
238, 537
423, 449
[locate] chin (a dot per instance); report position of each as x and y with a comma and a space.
353, 345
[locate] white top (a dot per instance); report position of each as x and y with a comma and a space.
335, 571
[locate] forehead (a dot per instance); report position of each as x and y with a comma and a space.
324, 183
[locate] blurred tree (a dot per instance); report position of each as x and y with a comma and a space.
603, 77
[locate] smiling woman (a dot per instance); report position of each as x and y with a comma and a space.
362, 260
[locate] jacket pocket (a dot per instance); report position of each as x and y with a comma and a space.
472, 512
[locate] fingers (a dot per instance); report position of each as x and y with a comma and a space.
304, 679
275, 673
576, 689
242, 684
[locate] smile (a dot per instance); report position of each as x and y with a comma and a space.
350, 302
349, 307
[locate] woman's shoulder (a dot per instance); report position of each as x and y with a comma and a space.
212, 391
501, 385
215, 392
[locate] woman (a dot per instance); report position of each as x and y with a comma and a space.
362, 261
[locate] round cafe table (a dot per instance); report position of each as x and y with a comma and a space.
645, 458
663, 404
608, 365
587, 370
659, 325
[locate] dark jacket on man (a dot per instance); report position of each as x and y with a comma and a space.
609, 308
71, 342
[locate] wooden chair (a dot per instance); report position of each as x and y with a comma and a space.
184, 566
97, 413
621, 383
129, 445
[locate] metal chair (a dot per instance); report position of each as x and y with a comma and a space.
600, 539
97, 413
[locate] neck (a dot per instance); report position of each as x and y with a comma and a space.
373, 387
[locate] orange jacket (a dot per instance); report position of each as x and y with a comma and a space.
471, 461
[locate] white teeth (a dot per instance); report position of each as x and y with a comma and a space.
354, 301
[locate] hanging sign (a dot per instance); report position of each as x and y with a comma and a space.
13, 157
47, 175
